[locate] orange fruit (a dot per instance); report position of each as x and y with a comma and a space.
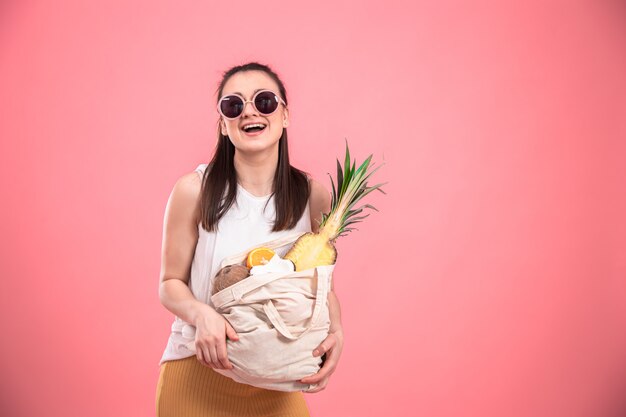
259, 256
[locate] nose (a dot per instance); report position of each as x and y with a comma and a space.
248, 109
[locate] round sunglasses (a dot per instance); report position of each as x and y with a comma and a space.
264, 101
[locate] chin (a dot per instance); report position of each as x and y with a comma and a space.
257, 142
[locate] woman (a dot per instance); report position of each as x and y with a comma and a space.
262, 197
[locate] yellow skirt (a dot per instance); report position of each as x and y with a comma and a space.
186, 388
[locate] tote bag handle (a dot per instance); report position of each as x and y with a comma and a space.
236, 292
272, 244
322, 275
241, 256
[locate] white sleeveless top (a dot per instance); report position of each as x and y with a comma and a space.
244, 225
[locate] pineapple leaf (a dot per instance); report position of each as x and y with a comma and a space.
344, 232
363, 207
375, 187
350, 187
372, 171
353, 212
339, 178
358, 219
352, 222
346, 168
352, 170
347, 178
347, 162
369, 206
356, 197
333, 201
362, 169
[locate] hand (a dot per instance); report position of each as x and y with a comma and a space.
332, 346
211, 332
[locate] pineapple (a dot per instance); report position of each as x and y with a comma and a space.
317, 249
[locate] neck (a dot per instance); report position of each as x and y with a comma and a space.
255, 172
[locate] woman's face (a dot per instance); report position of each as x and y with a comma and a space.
246, 83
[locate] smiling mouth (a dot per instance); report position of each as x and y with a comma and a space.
254, 129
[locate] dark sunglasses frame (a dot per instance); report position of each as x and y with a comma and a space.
278, 99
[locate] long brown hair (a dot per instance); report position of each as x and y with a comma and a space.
291, 185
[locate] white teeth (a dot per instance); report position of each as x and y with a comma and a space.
253, 125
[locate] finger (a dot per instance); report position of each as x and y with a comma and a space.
208, 358
325, 346
230, 332
330, 359
202, 356
315, 378
321, 386
206, 355
222, 354
330, 364
326, 370
214, 359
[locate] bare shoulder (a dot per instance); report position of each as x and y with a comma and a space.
180, 228
319, 202
183, 204
319, 193
190, 182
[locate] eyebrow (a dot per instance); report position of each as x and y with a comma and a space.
255, 91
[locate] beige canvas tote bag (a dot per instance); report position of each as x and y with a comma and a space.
280, 317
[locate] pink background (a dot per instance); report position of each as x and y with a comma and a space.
491, 283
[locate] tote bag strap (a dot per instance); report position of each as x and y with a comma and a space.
272, 244
237, 291
322, 275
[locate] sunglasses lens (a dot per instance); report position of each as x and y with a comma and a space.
231, 106
266, 102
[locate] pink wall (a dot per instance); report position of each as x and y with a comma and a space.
494, 284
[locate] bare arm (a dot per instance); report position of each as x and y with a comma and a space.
335, 312
180, 236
